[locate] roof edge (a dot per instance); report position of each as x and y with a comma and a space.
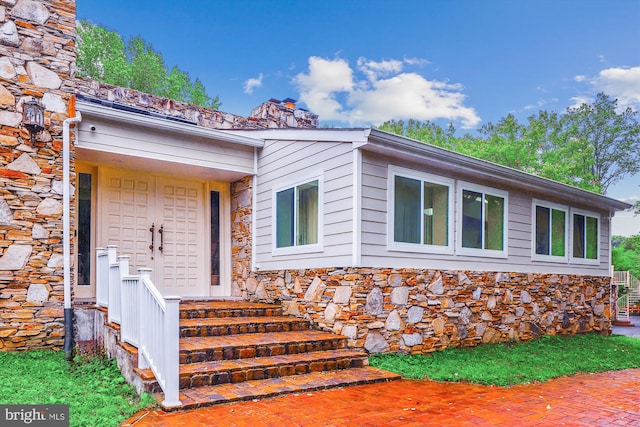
525, 180
163, 123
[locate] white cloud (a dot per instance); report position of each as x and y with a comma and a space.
374, 70
252, 83
332, 90
416, 61
580, 78
631, 199
622, 83
325, 80
541, 103
577, 101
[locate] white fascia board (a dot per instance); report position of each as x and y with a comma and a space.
89, 109
390, 144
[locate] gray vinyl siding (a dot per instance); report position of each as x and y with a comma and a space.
283, 163
374, 228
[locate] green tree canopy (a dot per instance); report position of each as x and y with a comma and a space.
592, 146
103, 55
625, 254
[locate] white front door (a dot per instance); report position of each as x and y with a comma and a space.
160, 223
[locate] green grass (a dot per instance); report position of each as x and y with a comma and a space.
518, 363
94, 389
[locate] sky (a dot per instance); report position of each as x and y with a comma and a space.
362, 62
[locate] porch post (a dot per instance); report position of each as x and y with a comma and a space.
172, 351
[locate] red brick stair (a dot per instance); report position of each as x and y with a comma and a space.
231, 351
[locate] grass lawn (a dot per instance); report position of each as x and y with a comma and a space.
94, 388
518, 363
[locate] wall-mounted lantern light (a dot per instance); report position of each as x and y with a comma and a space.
33, 117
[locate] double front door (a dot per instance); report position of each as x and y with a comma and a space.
160, 223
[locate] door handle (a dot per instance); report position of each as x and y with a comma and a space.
152, 229
161, 232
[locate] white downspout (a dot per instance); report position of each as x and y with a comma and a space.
254, 204
66, 232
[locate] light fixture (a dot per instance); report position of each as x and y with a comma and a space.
33, 117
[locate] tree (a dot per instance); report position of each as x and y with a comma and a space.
148, 72
427, 132
591, 146
611, 138
103, 55
625, 254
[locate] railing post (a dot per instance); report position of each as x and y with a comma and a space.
172, 351
102, 278
112, 251
123, 261
143, 316
112, 254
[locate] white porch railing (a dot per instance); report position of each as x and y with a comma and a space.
148, 320
102, 277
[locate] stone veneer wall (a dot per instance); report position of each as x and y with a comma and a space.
37, 52
241, 210
419, 311
267, 115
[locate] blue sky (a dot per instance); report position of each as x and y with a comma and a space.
359, 63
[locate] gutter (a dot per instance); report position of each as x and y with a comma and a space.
66, 234
138, 120
386, 143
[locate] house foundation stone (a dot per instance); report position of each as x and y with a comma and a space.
420, 311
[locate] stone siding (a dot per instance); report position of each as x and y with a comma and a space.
420, 311
268, 115
241, 241
37, 52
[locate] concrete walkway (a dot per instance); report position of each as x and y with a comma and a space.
605, 399
630, 331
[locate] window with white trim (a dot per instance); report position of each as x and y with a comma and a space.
550, 227
421, 212
297, 218
483, 220
585, 233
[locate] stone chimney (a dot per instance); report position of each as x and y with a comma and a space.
37, 53
283, 114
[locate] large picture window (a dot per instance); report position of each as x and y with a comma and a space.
483, 217
421, 212
550, 231
585, 233
297, 215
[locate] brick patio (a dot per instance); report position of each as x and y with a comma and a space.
605, 399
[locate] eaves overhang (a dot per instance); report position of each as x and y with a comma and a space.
405, 148
163, 124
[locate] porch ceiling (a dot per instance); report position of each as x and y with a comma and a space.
129, 140
157, 167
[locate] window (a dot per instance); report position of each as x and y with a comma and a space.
550, 231
84, 229
420, 212
585, 234
297, 215
483, 218
214, 204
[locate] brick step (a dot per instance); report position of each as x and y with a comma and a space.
239, 370
208, 349
208, 309
220, 326
257, 389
